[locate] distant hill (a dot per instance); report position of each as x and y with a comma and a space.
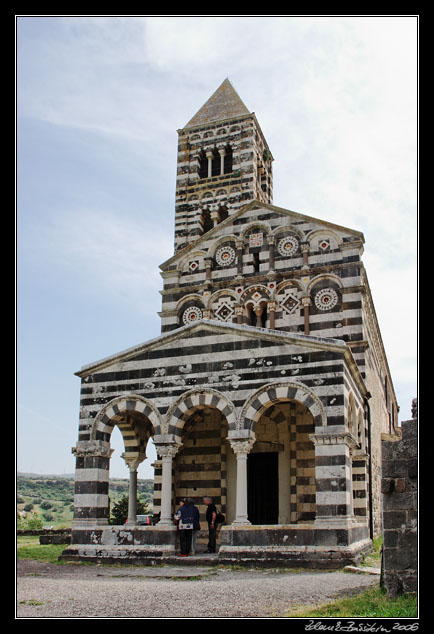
52, 496
37, 476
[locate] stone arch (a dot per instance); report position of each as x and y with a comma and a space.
287, 284
324, 233
198, 398
190, 309
115, 412
260, 224
221, 292
323, 277
184, 264
261, 399
280, 231
231, 239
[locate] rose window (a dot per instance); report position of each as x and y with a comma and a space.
287, 246
191, 315
326, 299
225, 256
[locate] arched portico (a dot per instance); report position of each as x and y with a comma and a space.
195, 429
137, 420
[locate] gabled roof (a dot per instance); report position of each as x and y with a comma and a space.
231, 331
225, 103
261, 205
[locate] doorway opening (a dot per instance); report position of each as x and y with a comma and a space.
263, 488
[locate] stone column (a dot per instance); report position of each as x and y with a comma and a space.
132, 464
166, 453
306, 302
208, 265
272, 313
270, 240
305, 252
241, 448
239, 312
209, 155
91, 482
239, 247
222, 153
258, 310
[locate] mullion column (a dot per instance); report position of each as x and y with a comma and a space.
241, 448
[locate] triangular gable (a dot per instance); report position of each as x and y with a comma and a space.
293, 215
220, 328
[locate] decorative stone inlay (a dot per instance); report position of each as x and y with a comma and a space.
191, 315
290, 303
225, 256
256, 240
224, 312
326, 299
324, 244
287, 246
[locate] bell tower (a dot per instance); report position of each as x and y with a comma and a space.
223, 163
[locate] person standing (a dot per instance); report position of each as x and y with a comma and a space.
211, 514
185, 515
196, 526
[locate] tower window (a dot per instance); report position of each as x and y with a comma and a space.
228, 160
207, 222
203, 165
215, 170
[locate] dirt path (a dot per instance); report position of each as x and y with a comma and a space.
169, 592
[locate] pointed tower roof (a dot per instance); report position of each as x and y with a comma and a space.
225, 103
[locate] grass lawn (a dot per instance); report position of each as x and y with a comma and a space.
372, 603
28, 547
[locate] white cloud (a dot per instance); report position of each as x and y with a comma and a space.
115, 256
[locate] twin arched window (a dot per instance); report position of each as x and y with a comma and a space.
215, 162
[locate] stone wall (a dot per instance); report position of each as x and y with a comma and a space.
399, 488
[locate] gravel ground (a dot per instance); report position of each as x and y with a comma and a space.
161, 592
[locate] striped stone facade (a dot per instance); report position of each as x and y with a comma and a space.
269, 374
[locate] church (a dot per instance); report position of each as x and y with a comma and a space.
268, 388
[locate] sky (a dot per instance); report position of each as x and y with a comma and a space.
99, 100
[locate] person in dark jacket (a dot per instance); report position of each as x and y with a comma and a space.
196, 526
186, 519
211, 514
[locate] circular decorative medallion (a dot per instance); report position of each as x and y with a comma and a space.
287, 246
191, 315
326, 299
225, 256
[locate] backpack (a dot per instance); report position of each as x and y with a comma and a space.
220, 518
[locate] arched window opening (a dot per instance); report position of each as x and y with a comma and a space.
207, 222
228, 160
215, 165
203, 165
222, 214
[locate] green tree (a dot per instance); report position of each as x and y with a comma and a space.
119, 512
32, 521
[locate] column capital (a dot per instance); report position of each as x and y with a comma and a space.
242, 444
132, 462
91, 448
334, 438
166, 447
